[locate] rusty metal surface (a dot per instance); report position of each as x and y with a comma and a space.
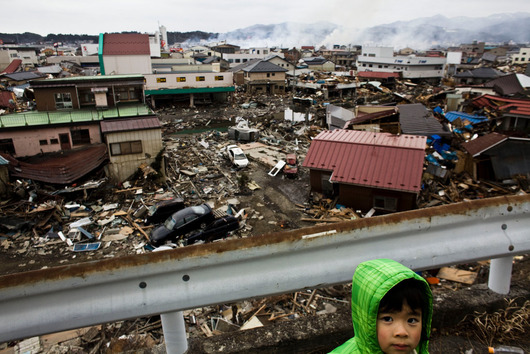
378, 160
61, 167
73, 296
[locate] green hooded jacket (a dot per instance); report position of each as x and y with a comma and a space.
371, 281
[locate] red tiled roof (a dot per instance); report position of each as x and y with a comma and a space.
12, 67
126, 44
122, 125
378, 160
376, 75
513, 106
483, 143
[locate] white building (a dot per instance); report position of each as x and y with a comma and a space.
249, 54
382, 59
523, 57
28, 55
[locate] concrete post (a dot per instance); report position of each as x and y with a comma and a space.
174, 332
192, 102
500, 275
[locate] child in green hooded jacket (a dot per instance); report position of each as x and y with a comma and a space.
391, 310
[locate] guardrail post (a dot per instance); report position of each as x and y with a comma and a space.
500, 275
174, 332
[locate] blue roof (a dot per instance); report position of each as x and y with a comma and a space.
474, 119
3, 161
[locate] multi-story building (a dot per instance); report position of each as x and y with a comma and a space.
382, 59
523, 57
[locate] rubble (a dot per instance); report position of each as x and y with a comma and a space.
44, 226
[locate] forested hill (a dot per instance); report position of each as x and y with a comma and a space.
33, 38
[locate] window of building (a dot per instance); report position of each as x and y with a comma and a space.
43, 142
181, 79
370, 65
268, 74
160, 79
86, 98
219, 78
80, 136
126, 93
14, 55
200, 78
245, 60
371, 55
516, 59
385, 203
126, 148
386, 66
522, 59
54, 141
238, 60
7, 146
63, 100
380, 66
230, 60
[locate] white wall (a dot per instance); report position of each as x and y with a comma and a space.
127, 64
190, 80
523, 57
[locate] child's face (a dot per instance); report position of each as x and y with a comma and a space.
399, 332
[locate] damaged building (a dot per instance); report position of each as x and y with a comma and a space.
366, 170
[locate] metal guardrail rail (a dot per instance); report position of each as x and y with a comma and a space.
73, 296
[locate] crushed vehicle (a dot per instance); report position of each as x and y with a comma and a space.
218, 229
162, 210
236, 156
182, 222
291, 166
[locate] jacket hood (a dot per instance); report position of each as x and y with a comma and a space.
371, 281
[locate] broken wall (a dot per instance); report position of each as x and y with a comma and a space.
123, 166
362, 198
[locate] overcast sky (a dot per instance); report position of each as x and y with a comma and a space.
98, 16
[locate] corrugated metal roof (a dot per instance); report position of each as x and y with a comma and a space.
126, 44
121, 125
60, 168
483, 143
36, 118
3, 161
378, 160
13, 66
417, 120
474, 119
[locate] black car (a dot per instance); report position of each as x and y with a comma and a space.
216, 230
182, 222
162, 210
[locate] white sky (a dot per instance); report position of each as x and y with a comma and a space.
98, 16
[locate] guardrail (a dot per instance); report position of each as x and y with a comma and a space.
66, 297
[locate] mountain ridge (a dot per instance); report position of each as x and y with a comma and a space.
420, 33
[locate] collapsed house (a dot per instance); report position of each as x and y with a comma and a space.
366, 170
74, 116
